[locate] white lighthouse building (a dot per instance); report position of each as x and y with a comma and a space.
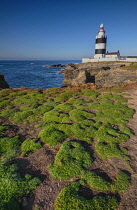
100, 51
100, 43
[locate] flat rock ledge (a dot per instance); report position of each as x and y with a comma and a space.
101, 74
3, 83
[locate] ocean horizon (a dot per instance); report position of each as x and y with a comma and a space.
32, 73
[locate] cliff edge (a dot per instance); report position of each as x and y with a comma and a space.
104, 74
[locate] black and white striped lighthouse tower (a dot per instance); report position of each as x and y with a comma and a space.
100, 45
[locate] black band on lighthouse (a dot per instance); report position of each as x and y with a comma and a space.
100, 51
100, 40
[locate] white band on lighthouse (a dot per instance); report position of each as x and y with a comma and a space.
100, 44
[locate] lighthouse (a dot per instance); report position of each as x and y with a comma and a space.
100, 51
100, 43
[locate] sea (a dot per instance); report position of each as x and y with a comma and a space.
33, 74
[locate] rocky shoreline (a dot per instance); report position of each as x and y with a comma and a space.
104, 74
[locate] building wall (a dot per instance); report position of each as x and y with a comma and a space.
131, 59
112, 56
86, 60
98, 56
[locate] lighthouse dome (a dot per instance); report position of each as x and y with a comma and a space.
102, 25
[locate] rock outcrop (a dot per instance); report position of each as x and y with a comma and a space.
55, 66
3, 83
101, 74
79, 73
115, 77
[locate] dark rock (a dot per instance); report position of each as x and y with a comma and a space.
122, 65
3, 83
105, 67
55, 66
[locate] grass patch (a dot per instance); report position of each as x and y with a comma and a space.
120, 98
56, 116
29, 113
102, 117
8, 113
76, 101
122, 182
21, 116
83, 132
25, 100
111, 134
95, 181
113, 113
119, 113
45, 108
30, 145
33, 97
126, 130
3, 128
8, 145
4, 92
114, 97
90, 93
69, 199
79, 115
62, 97
110, 150
66, 128
5, 103
51, 135
70, 161
64, 107
13, 186
130, 67
53, 91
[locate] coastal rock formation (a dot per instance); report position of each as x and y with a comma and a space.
115, 77
3, 83
101, 74
79, 73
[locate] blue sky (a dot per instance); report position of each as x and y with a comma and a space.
61, 29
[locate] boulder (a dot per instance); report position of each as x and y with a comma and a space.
3, 83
